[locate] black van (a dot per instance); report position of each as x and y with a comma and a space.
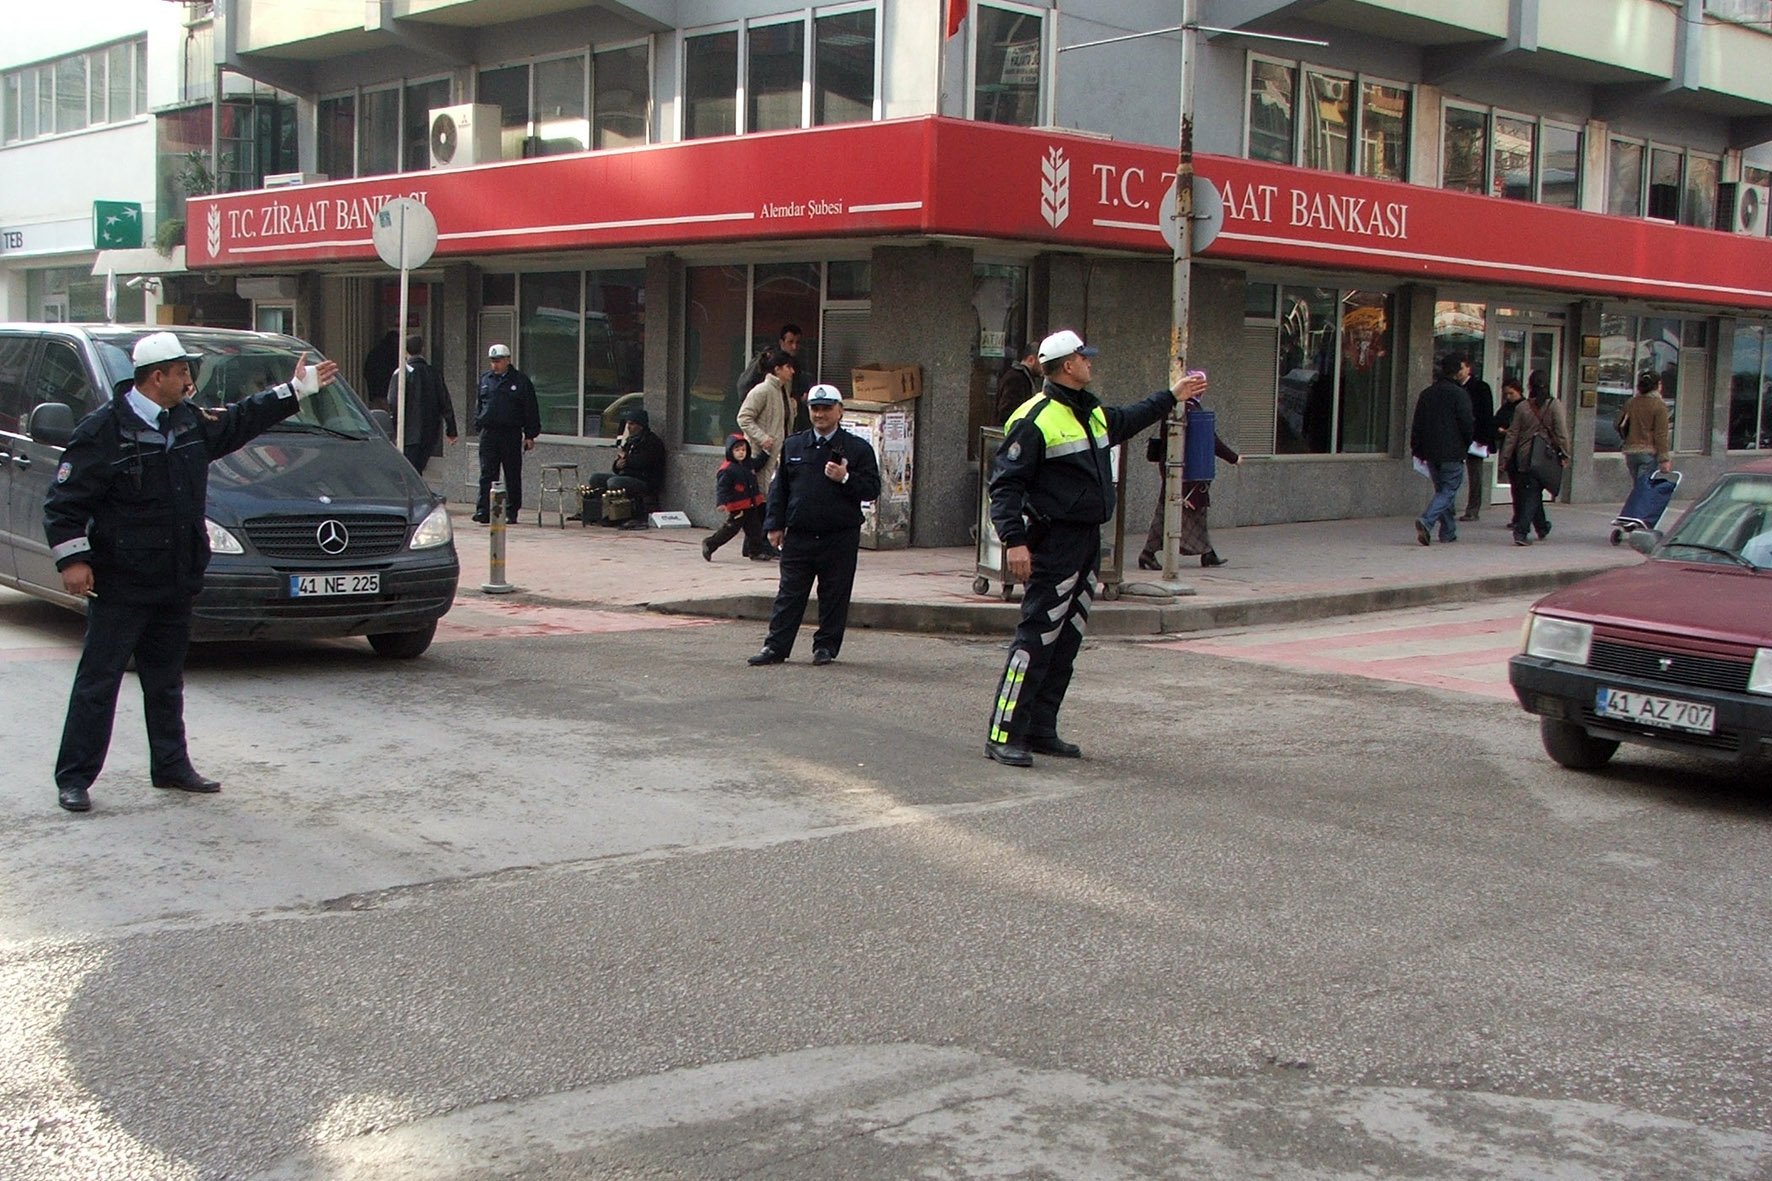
319, 527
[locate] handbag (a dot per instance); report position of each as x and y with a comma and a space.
1544, 464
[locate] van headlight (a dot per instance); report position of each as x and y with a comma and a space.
1558, 639
221, 541
434, 530
1759, 677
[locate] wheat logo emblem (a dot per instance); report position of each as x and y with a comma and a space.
1055, 187
214, 236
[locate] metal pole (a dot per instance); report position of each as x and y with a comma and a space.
495, 583
1179, 294
401, 433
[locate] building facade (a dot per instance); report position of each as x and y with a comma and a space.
636, 196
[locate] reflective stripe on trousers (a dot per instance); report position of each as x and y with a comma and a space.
1054, 619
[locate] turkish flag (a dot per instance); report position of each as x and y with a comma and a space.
956, 14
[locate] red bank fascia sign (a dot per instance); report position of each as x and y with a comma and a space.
945, 177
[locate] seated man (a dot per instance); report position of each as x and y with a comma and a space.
639, 466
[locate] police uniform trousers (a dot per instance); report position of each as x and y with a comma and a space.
830, 558
157, 635
1054, 617
501, 447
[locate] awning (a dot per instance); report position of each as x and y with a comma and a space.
142, 261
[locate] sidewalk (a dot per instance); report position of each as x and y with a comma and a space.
1277, 573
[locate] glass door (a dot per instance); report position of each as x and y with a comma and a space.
1518, 348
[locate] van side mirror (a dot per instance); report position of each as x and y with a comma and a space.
1643, 540
384, 422
51, 423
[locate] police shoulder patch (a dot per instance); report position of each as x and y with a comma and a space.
63, 472
1014, 451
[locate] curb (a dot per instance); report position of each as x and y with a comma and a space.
1121, 619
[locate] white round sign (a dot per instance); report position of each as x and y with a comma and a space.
405, 233
1208, 215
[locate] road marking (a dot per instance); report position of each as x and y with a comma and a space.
481, 619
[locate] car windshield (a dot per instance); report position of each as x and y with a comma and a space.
1731, 525
235, 365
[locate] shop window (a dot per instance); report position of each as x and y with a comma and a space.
1750, 388
581, 340
1461, 328
843, 68
1271, 86
621, 102
1667, 346
379, 141
1334, 372
710, 85
1007, 65
335, 140
715, 350
775, 65
614, 347
786, 293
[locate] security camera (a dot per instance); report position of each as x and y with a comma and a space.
143, 283
134, 283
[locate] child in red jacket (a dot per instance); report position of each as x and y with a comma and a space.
738, 491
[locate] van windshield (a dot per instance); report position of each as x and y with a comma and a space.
235, 365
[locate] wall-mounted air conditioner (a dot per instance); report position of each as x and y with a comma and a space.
286, 180
1741, 208
464, 134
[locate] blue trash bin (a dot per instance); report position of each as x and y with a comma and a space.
1199, 456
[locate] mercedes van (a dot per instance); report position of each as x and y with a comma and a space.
319, 527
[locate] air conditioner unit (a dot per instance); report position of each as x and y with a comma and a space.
1741, 208
286, 180
465, 134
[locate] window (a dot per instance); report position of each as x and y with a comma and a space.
1334, 113
1624, 179
731, 314
843, 68
336, 136
541, 106
1334, 371
1756, 13
379, 132
710, 85
1750, 388
1700, 205
581, 336
1668, 346
1677, 186
1007, 65
775, 67
420, 98
1519, 157
621, 100
1664, 184
88, 89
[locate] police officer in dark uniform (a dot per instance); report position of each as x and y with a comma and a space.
508, 419
125, 520
815, 502
1052, 488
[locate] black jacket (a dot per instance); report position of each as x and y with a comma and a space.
803, 497
428, 404
1482, 411
134, 508
508, 402
1077, 487
641, 456
1443, 427
1016, 386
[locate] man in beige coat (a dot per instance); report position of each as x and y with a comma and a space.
767, 414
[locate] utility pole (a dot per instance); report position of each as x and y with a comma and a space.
1180, 290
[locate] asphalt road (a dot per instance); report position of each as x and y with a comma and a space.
607, 903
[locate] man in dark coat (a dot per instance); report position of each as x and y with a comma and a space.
1483, 422
379, 364
428, 406
508, 419
1021, 381
638, 466
1440, 437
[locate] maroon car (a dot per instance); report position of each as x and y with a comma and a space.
1676, 652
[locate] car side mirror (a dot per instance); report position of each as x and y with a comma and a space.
384, 422
1643, 540
51, 424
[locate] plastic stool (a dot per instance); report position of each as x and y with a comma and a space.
553, 480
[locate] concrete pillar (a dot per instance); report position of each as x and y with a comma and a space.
922, 314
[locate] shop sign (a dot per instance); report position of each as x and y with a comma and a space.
11, 240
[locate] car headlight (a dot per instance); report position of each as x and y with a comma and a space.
1759, 677
221, 541
1559, 639
434, 530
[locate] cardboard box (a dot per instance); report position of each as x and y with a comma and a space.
885, 383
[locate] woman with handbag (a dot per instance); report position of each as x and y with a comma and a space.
1534, 453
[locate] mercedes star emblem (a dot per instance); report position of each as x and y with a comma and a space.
332, 536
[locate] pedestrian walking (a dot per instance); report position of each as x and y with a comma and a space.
1440, 437
126, 524
429, 407
1051, 490
1535, 418
1483, 426
1196, 498
814, 518
1643, 427
508, 419
740, 496
788, 341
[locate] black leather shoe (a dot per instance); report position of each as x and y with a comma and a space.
1055, 746
767, 656
1210, 559
1148, 561
1008, 754
192, 782
823, 656
481, 519
74, 799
